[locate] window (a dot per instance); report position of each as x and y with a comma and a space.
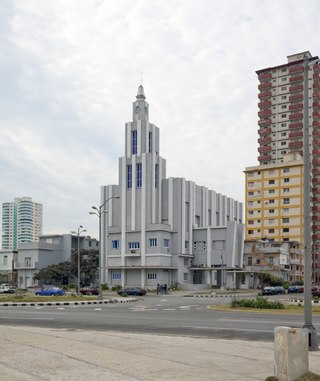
271, 211
271, 171
271, 191
285, 220
5, 260
270, 260
286, 190
166, 242
283, 106
283, 152
129, 176
152, 242
249, 261
283, 124
185, 276
186, 244
156, 175
283, 115
285, 230
250, 185
250, 203
286, 170
27, 262
89, 243
283, 97
139, 175
152, 276
286, 201
271, 230
134, 142
250, 212
134, 245
185, 261
285, 210
250, 222
116, 244
250, 193
286, 180
116, 276
250, 231
283, 79
271, 221
284, 88
283, 143
150, 141
271, 181
271, 201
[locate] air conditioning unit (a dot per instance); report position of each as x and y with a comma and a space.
132, 251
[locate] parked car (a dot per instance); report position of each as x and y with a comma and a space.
315, 292
132, 291
295, 289
89, 290
50, 291
6, 289
279, 290
269, 291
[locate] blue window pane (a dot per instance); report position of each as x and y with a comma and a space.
129, 176
134, 142
150, 141
139, 175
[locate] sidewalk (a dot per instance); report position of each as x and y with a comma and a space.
30, 354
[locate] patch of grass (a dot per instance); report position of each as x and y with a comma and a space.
259, 302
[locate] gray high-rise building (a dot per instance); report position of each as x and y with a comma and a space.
21, 222
165, 230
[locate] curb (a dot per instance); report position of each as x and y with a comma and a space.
224, 296
75, 303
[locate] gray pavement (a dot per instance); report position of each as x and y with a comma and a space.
29, 354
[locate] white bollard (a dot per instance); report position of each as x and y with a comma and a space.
291, 354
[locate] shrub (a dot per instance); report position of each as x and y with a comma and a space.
116, 288
260, 302
104, 286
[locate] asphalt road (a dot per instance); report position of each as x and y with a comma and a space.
156, 314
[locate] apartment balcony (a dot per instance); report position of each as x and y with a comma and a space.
298, 106
25, 266
316, 152
316, 218
296, 88
266, 139
264, 157
296, 97
262, 122
264, 113
315, 131
316, 114
316, 161
316, 171
264, 149
315, 105
264, 86
264, 104
316, 180
296, 116
297, 134
264, 94
296, 69
264, 131
296, 78
315, 75
296, 144
316, 86
263, 76
294, 126
315, 237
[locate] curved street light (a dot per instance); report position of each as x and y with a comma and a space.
98, 212
78, 234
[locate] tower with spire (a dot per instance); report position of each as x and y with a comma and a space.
150, 223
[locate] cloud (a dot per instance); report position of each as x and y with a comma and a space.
69, 72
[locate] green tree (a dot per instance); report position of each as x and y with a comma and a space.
89, 263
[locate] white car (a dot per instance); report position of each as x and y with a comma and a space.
6, 289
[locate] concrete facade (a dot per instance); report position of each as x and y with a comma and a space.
165, 230
51, 249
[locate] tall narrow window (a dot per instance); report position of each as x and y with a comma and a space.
156, 175
139, 175
134, 142
150, 141
129, 176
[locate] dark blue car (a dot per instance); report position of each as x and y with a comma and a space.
50, 291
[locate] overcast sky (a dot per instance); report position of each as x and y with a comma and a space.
70, 70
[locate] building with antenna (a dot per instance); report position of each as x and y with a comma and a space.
165, 230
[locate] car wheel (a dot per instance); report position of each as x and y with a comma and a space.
37, 293
52, 294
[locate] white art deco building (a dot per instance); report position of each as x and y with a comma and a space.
165, 230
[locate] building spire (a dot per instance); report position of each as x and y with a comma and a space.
140, 94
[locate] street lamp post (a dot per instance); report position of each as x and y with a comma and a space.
98, 212
313, 344
78, 234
